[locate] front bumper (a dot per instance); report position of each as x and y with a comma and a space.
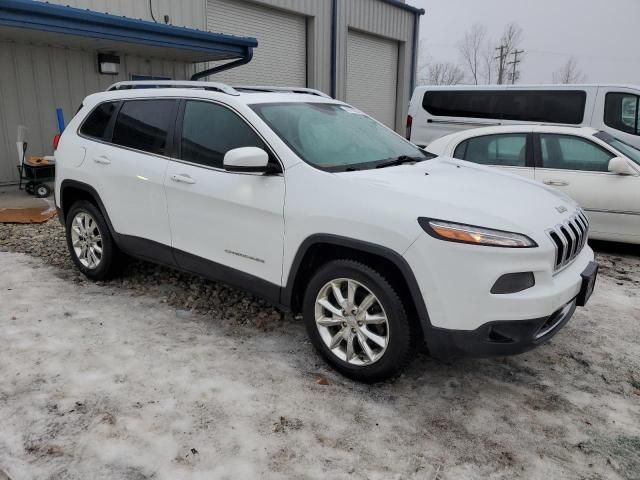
500, 338
455, 281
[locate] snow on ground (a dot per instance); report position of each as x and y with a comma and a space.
101, 382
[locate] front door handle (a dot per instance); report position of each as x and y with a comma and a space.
102, 160
556, 183
183, 178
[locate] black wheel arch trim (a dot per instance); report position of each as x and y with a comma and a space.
93, 193
286, 294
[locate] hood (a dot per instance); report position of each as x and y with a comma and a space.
460, 191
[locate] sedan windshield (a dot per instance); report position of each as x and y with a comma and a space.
628, 150
337, 137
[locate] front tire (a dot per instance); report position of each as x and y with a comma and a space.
90, 243
357, 321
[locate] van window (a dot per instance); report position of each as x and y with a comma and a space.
622, 113
95, 125
569, 152
509, 150
209, 131
549, 106
144, 124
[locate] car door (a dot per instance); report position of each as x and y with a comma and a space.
511, 152
129, 168
229, 223
617, 112
578, 167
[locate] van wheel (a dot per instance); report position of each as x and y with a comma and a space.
90, 243
357, 321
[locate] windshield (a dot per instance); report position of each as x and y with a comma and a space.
628, 150
336, 137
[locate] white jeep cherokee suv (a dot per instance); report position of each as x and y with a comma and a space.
317, 207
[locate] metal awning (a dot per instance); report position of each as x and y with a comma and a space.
35, 22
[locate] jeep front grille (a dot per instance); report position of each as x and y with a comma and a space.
569, 238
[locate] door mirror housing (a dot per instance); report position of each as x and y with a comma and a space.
246, 159
621, 166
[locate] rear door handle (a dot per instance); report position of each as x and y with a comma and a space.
556, 183
183, 178
102, 160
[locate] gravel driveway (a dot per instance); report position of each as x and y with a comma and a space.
163, 375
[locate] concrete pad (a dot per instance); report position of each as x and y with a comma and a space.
11, 197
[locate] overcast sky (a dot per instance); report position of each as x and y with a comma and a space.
604, 36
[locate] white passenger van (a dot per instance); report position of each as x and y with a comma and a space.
436, 111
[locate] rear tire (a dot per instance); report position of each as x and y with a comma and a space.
357, 321
90, 243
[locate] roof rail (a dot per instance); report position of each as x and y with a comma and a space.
216, 86
261, 88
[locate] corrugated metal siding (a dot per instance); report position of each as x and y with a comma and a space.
372, 80
35, 80
277, 31
184, 13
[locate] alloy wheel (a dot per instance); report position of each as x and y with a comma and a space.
86, 240
352, 322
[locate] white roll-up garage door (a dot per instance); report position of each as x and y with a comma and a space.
281, 56
372, 75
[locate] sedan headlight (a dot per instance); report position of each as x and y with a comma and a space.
462, 233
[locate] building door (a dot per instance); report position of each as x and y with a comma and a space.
372, 76
281, 56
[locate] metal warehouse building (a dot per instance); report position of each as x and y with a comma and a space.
359, 51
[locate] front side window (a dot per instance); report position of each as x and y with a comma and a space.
628, 150
96, 123
335, 137
509, 150
209, 131
144, 125
622, 112
568, 152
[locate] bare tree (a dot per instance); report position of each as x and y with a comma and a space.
488, 62
569, 73
508, 44
470, 48
442, 73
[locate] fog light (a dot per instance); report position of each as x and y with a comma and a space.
513, 283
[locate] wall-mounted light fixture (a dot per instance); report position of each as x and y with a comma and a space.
108, 64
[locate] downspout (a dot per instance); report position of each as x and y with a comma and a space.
414, 57
334, 47
221, 68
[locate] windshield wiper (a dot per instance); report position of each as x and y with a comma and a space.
399, 161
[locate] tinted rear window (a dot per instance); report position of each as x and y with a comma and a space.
144, 124
559, 106
96, 123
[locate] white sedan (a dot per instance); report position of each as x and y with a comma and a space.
599, 171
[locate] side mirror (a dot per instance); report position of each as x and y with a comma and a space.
246, 159
621, 166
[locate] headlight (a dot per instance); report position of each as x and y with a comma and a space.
462, 233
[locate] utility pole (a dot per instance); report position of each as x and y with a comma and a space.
515, 62
501, 58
